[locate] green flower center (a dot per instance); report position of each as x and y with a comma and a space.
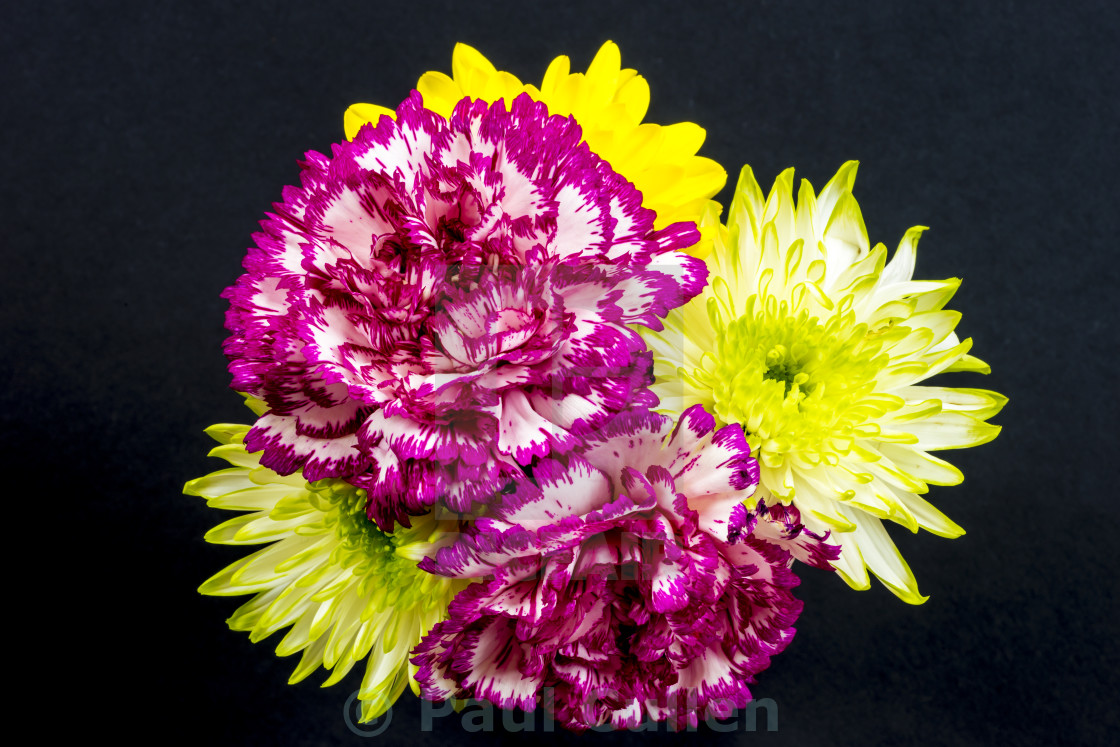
367, 551
798, 385
354, 527
782, 370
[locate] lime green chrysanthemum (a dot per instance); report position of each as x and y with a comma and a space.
348, 590
816, 345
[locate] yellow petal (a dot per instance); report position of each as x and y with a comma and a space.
606, 65
440, 93
470, 69
970, 363
359, 114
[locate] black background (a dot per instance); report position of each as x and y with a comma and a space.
143, 141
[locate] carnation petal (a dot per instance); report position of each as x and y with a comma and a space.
285, 447
493, 667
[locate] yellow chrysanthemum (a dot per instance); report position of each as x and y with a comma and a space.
609, 103
349, 591
815, 345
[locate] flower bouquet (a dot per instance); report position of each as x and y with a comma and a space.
531, 418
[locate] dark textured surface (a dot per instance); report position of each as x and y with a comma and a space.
144, 140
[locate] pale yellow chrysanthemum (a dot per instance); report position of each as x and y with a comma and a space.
349, 591
816, 345
609, 103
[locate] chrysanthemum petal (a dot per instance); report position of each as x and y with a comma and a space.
220, 483
359, 114
929, 518
970, 363
225, 433
884, 560
951, 430
979, 403
918, 464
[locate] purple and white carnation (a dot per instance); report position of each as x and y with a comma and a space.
443, 301
629, 578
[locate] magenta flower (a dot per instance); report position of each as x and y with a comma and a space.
442, 301
630, 579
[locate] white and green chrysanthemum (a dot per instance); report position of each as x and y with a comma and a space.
816, 345
349, 591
